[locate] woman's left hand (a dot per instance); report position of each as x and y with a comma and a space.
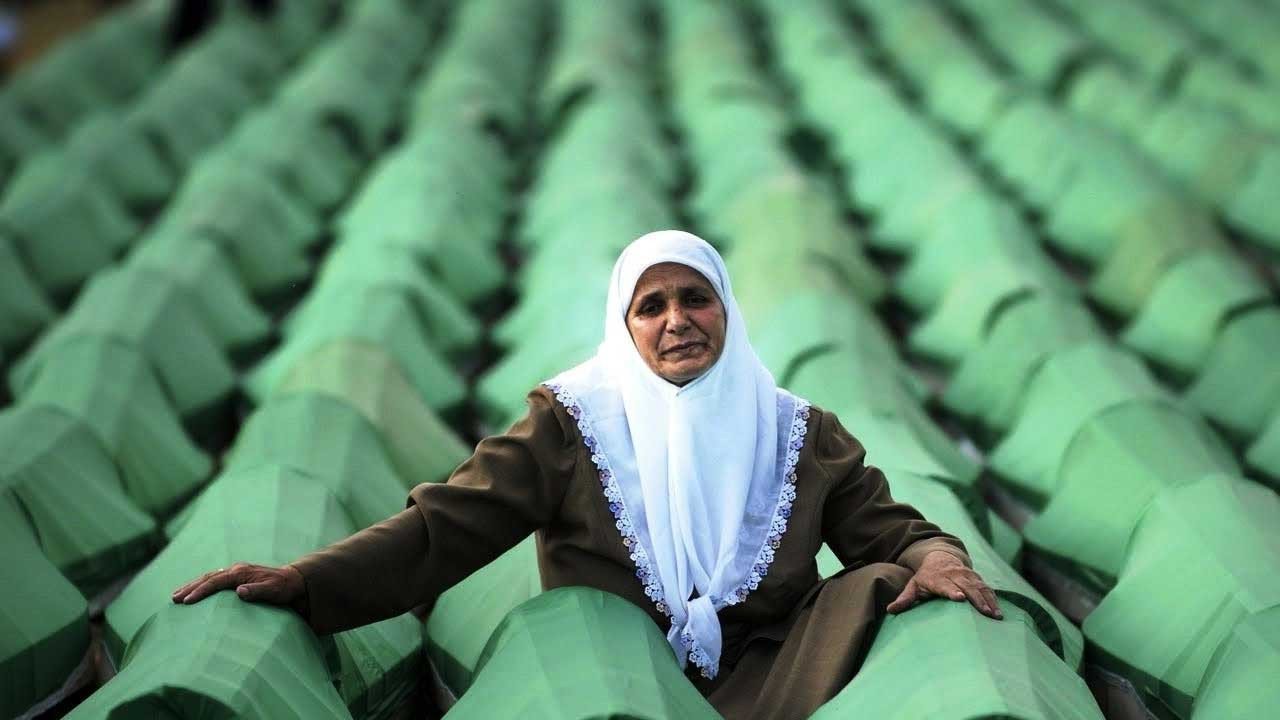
941, 574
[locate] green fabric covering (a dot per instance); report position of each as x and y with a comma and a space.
189, 109
1113, 198
985, 234
1263, 455
789, 229
380, 317
223, 197
786, 328
1006, 540
885, 419
24, 308
1143, 35
1204, 557
990, 383
159, 320
58, 90
420, 446
579, 653
261, 269
328, 440
974, 667
452, 233
1146, 253
1113, 95
1072, 386
956, 326
109, 386
19, 136
941, 507
119, 156
484, 67
352, 269
1239, 681
305, 157
1208, 149
44, 620
1188, 306
501, 391
1253, 207
379, 666
54, 469
464, 618
1036, 42
269, 514
1115, 463
1239, 387
219, 658
63, 223
209, 278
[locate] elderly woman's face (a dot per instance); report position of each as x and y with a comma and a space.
676, 321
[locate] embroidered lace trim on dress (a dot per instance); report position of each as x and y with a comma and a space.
645, 571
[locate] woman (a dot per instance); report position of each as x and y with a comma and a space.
670, 470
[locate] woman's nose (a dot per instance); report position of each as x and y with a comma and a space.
677, 320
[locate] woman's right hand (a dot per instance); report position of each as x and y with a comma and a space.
253, 583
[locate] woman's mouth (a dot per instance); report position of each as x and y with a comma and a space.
684, 347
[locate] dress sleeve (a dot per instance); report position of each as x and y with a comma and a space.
860, 519
511, 486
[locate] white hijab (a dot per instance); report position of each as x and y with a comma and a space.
700, 478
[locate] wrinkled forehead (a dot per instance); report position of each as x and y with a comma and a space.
633, 268
661, 275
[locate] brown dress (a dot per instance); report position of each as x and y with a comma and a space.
787, 649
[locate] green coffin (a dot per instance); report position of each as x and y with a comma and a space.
1253, 208
109, 386
24, 308
1181, 318
353, 268
957, 324
383, 318
120, 157
1205, 556
579, 653
1263, 455
66, 225
465, 617
209, 277
221, 657
44, 620
307, 158
974, 667
1240, 679
420, 446
329, 440
156, 318
1112, 468
57, 473
1072, 386
1239, 387
941, 507
990, 383
268, 514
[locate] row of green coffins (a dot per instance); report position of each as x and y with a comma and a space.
1156, 260
600, 112
99, 453
1088, 436
346, 424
